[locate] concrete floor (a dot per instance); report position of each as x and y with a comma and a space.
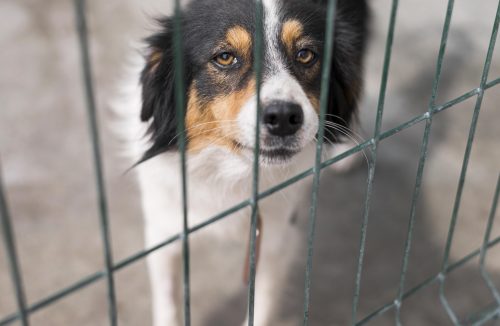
47, 171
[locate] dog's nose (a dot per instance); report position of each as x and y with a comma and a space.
283, 118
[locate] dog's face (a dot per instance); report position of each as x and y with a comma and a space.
219, 44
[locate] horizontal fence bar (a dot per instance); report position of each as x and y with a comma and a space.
89, 280
480, 318
143, 253
465, 96
492, 83
488, 317
429, 281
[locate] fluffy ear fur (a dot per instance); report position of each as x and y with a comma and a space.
346, 71
158, 89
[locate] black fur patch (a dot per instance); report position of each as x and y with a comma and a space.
349, 46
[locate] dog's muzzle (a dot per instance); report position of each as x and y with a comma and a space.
281, 123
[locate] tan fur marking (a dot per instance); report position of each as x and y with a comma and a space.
214, 123
155, 59
291, 32
313, 98
239, 38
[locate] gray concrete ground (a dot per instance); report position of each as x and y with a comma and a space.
46, 166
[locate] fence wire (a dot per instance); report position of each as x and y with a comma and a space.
10, 247
421, 164
325, 82
81, 26
24, 309
463, 173
254, 202
181, 131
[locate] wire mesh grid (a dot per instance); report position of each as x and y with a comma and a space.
447, 267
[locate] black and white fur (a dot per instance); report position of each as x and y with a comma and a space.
220, 176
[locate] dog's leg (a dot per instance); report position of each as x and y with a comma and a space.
268, 288
279, 239
265, 296
161, 266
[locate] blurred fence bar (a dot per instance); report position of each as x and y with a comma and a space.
81, 24
181, 131
373, 150
465, 164
325, 82
422, 161
13, 261
254, 202
484, 251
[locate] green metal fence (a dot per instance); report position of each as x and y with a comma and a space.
371, 145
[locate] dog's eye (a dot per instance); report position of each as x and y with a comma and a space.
305, 57
226, 59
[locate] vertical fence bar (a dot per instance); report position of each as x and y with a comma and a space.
463, 173
10, 248
422, 161
372, 163
325, 88
180, 106
484, 247
259, 29
99, 175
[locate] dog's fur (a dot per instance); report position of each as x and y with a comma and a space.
218, 40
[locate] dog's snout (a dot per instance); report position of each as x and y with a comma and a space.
283, 118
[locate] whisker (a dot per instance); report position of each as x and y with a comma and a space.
347, 129
353, 140
337, 117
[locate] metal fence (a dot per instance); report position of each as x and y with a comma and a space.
371, 145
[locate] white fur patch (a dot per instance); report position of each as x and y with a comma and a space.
278, 85
272, 26
126, 107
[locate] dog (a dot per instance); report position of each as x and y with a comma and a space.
218, 39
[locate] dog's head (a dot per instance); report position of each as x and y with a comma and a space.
218, 38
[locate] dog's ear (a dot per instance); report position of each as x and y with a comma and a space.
158, 89
346, 72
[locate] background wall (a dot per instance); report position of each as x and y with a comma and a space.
46, 166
